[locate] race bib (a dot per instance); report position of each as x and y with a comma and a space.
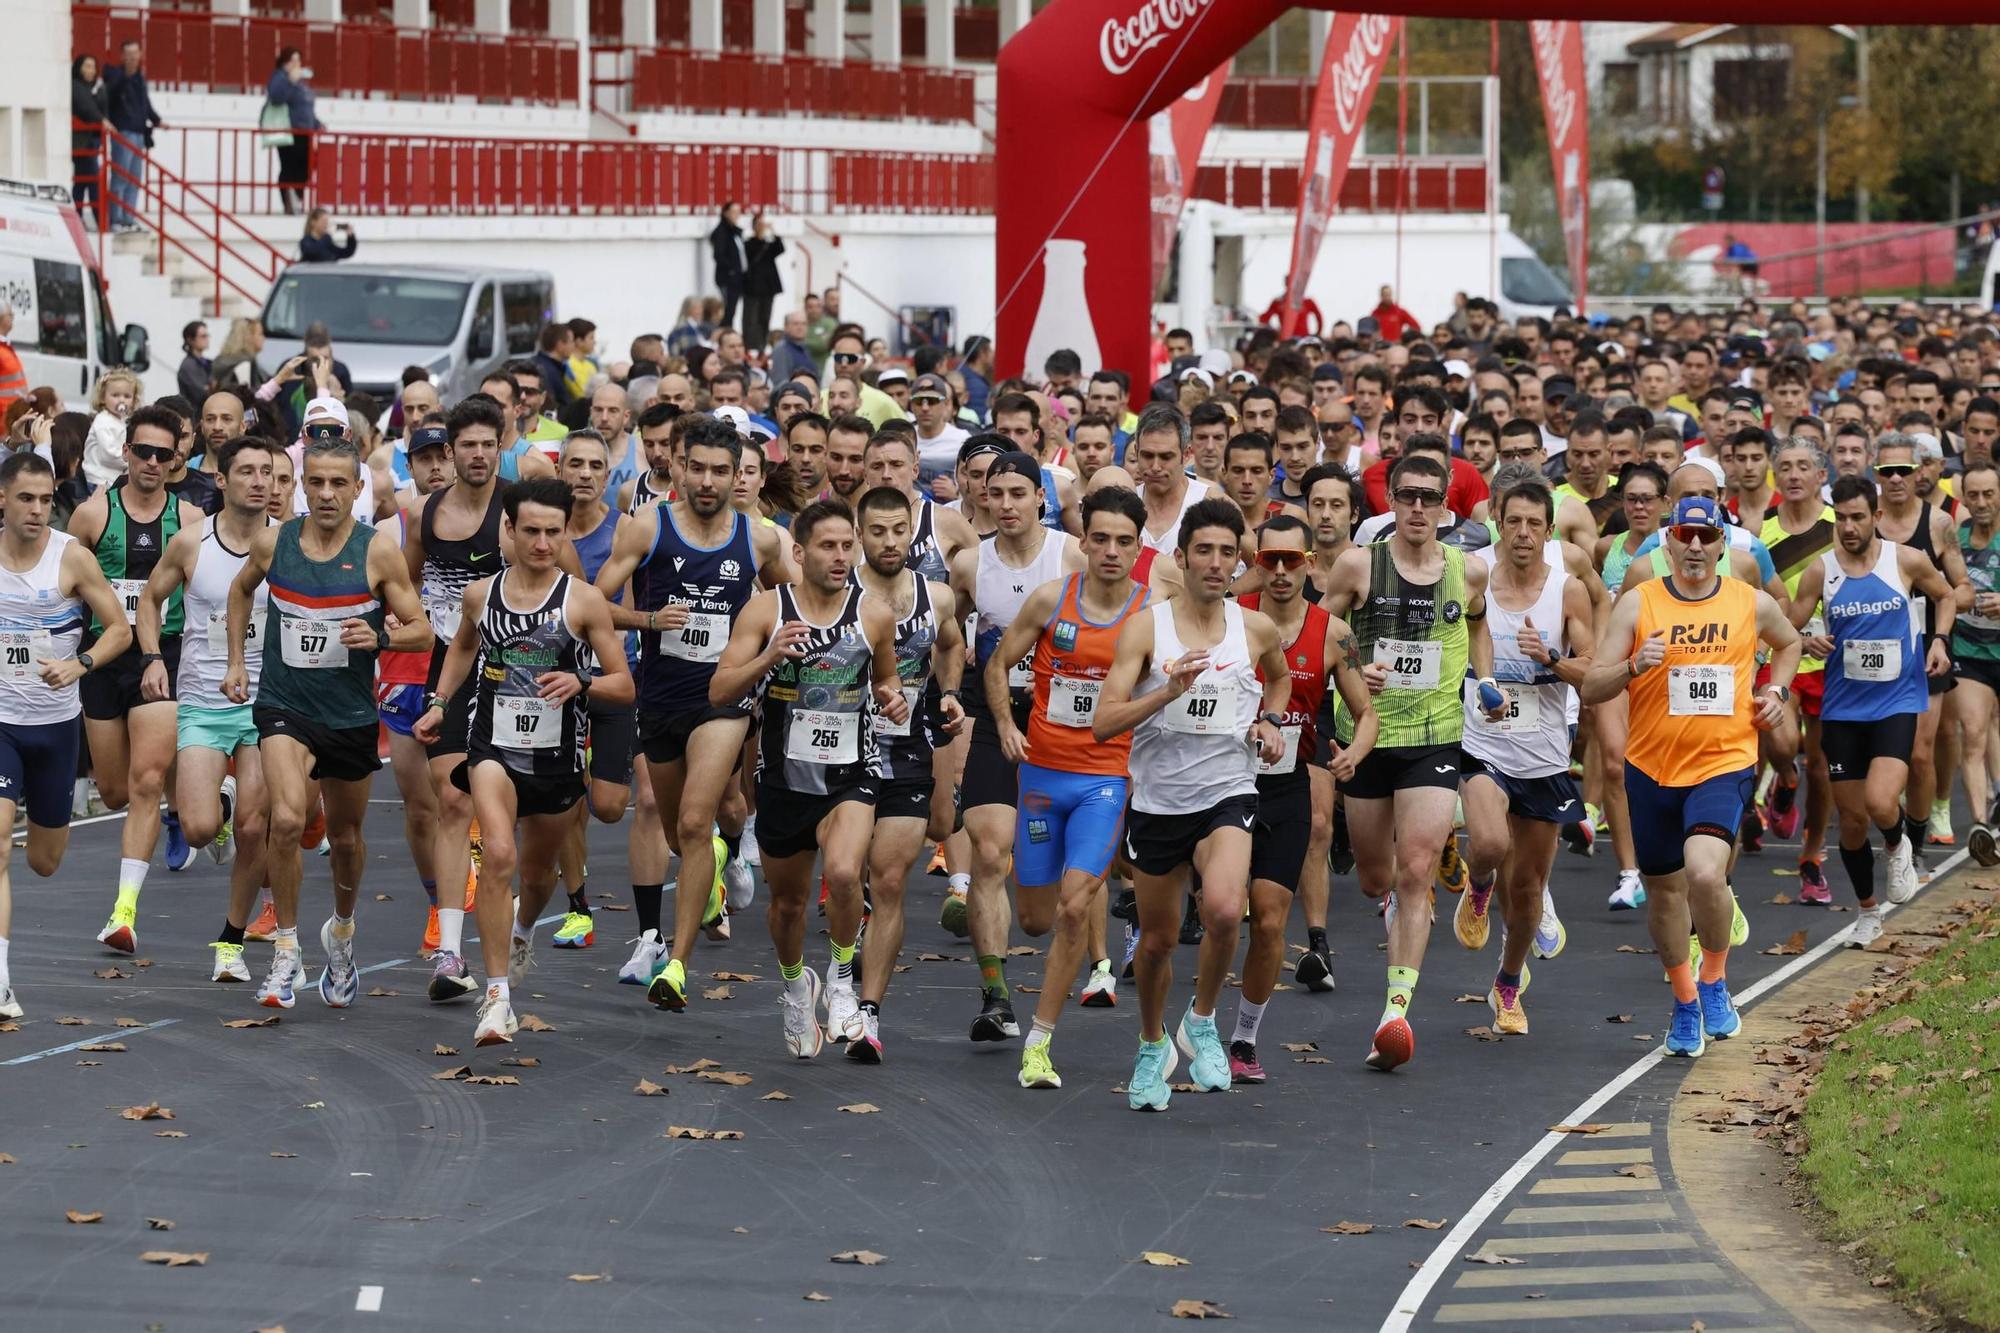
445, 613
1701, 691
701, 639
311, 645
1413, 664
22, 652
814, 737
912, 695
1872, 659
1073, 701
1523, 712
1021, 675
529, 723
1207, 709
218, 635
128, 591
1287, 758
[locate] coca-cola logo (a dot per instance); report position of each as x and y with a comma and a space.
1122, 41
1354, 74
1558, 98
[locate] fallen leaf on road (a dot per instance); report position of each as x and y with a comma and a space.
379, 992
111, 1046
1780, 899
1199, 1310
1794, 945
1312, 1060
614, 907
150, 1111
1483, 1033
442, 1049
523, 1061
1161, 1259
494, 1080
687, 1132
282, 1155
867, 1258
861, 1108
142, 962
1631, 948
939, 958
169, 1133
1488, 1257
900, 967
1427, 1226
160, 1224
1023, 951
1618, 1018
1639, 1171
110, 974
740, 1231
694, 1068
647, 1088
7, 1159
815, 1296
1591, 1128
775, 1096
126, 1023
1027, 989
82, 1218
250, 1022
447, 1075
590, 1277
1349, 1228
383, 898
1297, 1046
735, 976
90, 1064
533, 1024
10, 1027
1468, 998
174, 1258
719, 993
733, 1078
72, 1021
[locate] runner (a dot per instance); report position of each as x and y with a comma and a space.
1185, 683
1333, 496
1875, 665
1685, 647
1975, 652
659, 440
331, 578
1409, 599
48, 581
1315, 647
1644, 495
822, 658
1073, 787
127, 525
1158, 460
930, 662
525, 749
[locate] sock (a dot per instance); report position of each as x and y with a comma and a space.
960, 884
646, 903
734, 842
4, 976
872, 1008
1316, 938
1783, 794
521, 932
792, 971
1916, 829
797, 985
230, 934
1860, 863
993, 974
1891, 835
497, 988
1248, 1017
1199, 1019
1682, 977
430, 890
842, 971
343, 927
287, 938
1040, 1034
131, 879
1474, 886
451, 929
1714, 963
1402, 985
579, 902
1504, 980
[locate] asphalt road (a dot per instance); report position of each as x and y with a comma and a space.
334, 1182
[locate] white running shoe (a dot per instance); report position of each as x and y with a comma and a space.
520, 960
1630, 893
229, 963
222, 850
1902, 872
9, 1006
497, 1024
281, 983
843, 1014
638, 969
1101, 991
752, 853
803, 1037
1867, 928
738, 889
1550, 937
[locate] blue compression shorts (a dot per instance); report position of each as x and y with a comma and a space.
1064, 822
1664, 818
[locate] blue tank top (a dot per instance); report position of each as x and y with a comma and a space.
1877, 667
510, 460
1051, 501
713, 582
592, 551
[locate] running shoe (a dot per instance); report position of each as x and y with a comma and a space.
866, 1048
432, 938
1125, 906
222, 848
1812, 884
1630, 893
121, 932
1739, 925
753, 855
1451, 872
1600, 822
738, 889
801, 1009
228, 962
1980, 842
451, 979
1208, 1063
937, 865
1783, 820
1101, 991
1037, 1071
1940, 835
715, 919
996, 1020
1867, 928
577, 931
1750, 831
313, 836
1191, 927
668, 988
843, 1013
1394, 1044
638, 969
1509, 1018
287, 972
953, 916
1902, 874
9, 1006
1243, 1065
179, 855
265, 927
1719, 1019
1684, 1037
1580, 837
497, 1024
1131, 951
1550, 937
1314, 970
339, 983
1147, 1089
1471, 922
520, 960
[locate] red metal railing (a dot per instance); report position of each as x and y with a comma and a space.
975, 33
1256, 102
221, 53
740, 83
1430, 186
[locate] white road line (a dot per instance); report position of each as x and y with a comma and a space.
1419, 1286
118, 1034
368, 1300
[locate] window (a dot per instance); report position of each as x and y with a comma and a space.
60, 326
365, 307
1526, 280
526, 307
480, 345
1621, 87
1748, 88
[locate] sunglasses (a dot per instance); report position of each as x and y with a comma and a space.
1895, 469
842, 358
1419, 495
1688, 532
324, 430
152, 453
1642, 499
1281, 559
1335, 427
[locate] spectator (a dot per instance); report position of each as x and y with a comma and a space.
13, 378
86, 106
238, 362
584, 365
819, 327
731, 261
1390, 318
67, 434
111, 402
551, 359
761, 283
193, 376
792, 354
682, 338
129, 108
288, 89
317, 246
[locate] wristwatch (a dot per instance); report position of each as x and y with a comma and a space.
435, 700
86, 661
1275, 719
583, 680
151, 657
382, 640
1784, 692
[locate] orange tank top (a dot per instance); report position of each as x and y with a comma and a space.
1071, 659
1690, 716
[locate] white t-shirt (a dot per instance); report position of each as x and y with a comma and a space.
940, 454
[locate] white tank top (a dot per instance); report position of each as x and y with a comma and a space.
1000, 589
205, 641
1196, 492
37, 624
1532, 740
1552, 556
1194, 754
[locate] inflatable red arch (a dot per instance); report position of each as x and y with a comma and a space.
1076, 87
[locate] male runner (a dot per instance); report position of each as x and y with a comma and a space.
527, 629
1798, 530
822, 656
1876, 662
1333, 495
1158, 459
1202, 686
331, 579
1685, 647
48, 581
1975, 651
1246, 472
1073, 787
657, 440
127, 525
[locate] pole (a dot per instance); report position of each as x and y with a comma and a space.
1819, 217
1861, 92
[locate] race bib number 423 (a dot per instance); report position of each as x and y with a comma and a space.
1413, 664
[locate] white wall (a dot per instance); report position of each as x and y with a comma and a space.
34, 95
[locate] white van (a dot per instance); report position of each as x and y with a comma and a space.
457, 323
63, 329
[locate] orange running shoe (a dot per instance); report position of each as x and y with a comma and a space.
265, 926
431, 939
314, 832
471, 887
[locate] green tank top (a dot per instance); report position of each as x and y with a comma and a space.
1977, 636
127, 552
1418, 631
307, 670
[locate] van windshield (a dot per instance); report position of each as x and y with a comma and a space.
1526, 280
366, 307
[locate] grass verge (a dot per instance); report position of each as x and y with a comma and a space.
1904, 1136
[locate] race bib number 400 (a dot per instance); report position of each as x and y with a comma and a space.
701, 639
1701, 691
526, 723
22, 653
814, 737
1413, 664
311, 645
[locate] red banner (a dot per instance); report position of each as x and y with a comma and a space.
1565, 109
1357, 49
1177, 136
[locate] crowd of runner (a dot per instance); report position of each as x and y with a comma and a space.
1166, 655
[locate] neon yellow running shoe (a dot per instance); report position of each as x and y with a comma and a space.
1739, 925
577, 931
668, 989
1036, 1069
121, 932
715, 917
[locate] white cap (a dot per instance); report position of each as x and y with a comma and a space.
892, 375
1237, 376
1456, 367
1197, 373
1216, 362
735, 416
326, 409
1703, 461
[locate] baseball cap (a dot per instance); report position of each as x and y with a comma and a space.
1556, 387
426, 437
1457, 369
1014, 462
892, 375
326, 409
1327, 370
1697, 511
1242, 377
735, 416
1197, 373
1216, 362
931, 386
794, 389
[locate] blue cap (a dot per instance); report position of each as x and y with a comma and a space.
1697, 511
